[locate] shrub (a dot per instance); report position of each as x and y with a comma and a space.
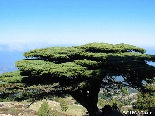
56, 99
44, 110
63, 104
55, 113
115, 104
101, 102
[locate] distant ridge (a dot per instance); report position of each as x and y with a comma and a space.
4, 69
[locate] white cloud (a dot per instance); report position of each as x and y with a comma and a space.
16, 47
23, 46
29, 42
33, 44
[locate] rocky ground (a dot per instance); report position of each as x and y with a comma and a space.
23, 108
15, 109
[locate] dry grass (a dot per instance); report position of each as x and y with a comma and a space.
20, 108
15, 109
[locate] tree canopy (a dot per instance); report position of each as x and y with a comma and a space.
79, 71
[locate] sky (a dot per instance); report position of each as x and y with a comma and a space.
30, 24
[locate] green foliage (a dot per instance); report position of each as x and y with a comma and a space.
124, 90
115, 104
100, 95
55, 113
44, 110
78, 71
145, 101
11, 77
56, 99
101, 102
63, 104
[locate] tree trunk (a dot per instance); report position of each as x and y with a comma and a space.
92, 110
91, 104
89, 98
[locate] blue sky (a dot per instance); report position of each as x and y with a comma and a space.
30, 24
